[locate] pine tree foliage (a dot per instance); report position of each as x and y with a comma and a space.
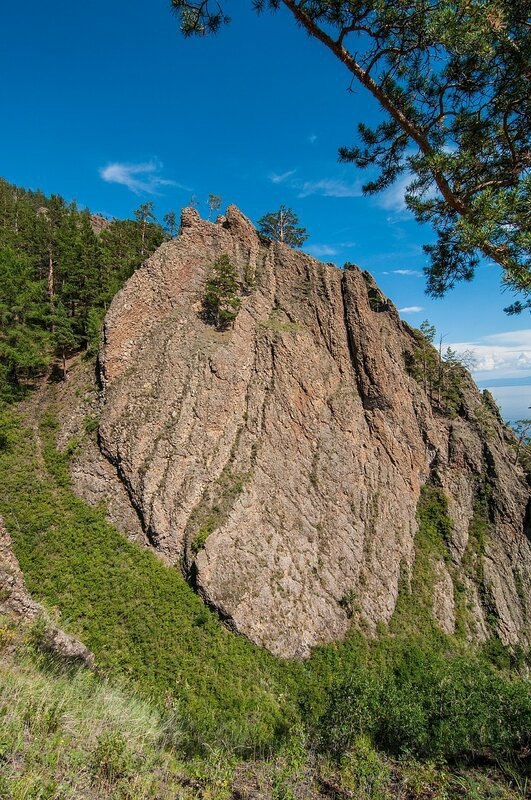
452, 77
57, 278
283, 226
522, 450
171, 225
221, 301
441, 373
214, 203
144, 215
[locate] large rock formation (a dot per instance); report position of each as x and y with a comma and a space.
280, 462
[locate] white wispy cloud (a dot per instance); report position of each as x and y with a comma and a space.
330, 187
414, 273
140, 178
283, 176
411, 309
312, 138
392, 199
320, 250
500, 355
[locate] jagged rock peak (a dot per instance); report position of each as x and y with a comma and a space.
280, 462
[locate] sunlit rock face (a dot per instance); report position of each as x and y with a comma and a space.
279, 463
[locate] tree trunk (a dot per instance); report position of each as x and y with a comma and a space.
51, 277
441, 373
143, 237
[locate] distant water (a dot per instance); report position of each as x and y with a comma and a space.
513, 401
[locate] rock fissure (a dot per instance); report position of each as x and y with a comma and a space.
352, 348
301, 441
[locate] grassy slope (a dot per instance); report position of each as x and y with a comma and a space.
70, 735
410, 693
137, 615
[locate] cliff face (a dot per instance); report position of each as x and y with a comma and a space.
280, 463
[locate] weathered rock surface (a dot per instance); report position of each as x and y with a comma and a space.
77, 405
281, 462
99, 223
16, 601
14, 597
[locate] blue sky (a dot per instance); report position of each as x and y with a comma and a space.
255, 114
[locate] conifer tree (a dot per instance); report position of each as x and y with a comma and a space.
144, 214
283, 226
452, 80
221, 301
23, 322
57, 279
213, 202
522, 450
170, 224
63, 337
427, 353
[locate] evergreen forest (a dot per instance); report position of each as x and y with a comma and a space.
60, 268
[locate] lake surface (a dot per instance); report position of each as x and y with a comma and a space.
514, 401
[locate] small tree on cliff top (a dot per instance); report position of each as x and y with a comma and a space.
452, 79
221, 301
283, 225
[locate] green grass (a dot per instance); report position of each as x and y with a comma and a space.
415, 691
137, 615
71, 734
412, 692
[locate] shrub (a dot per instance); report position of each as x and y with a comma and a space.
221, 302
444, 707
199, 540
90, 424
111, 758
364, 772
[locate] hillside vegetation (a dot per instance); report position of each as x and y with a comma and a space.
179, 705
411, 695
58, 278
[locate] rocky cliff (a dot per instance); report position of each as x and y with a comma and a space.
280, 463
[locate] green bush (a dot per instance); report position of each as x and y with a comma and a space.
221, 301
111, 759
91, 424
199, 540
411, 692
447, 707
363, 771
137, 615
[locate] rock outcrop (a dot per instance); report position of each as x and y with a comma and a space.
280, 462
99, 223
14, 597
